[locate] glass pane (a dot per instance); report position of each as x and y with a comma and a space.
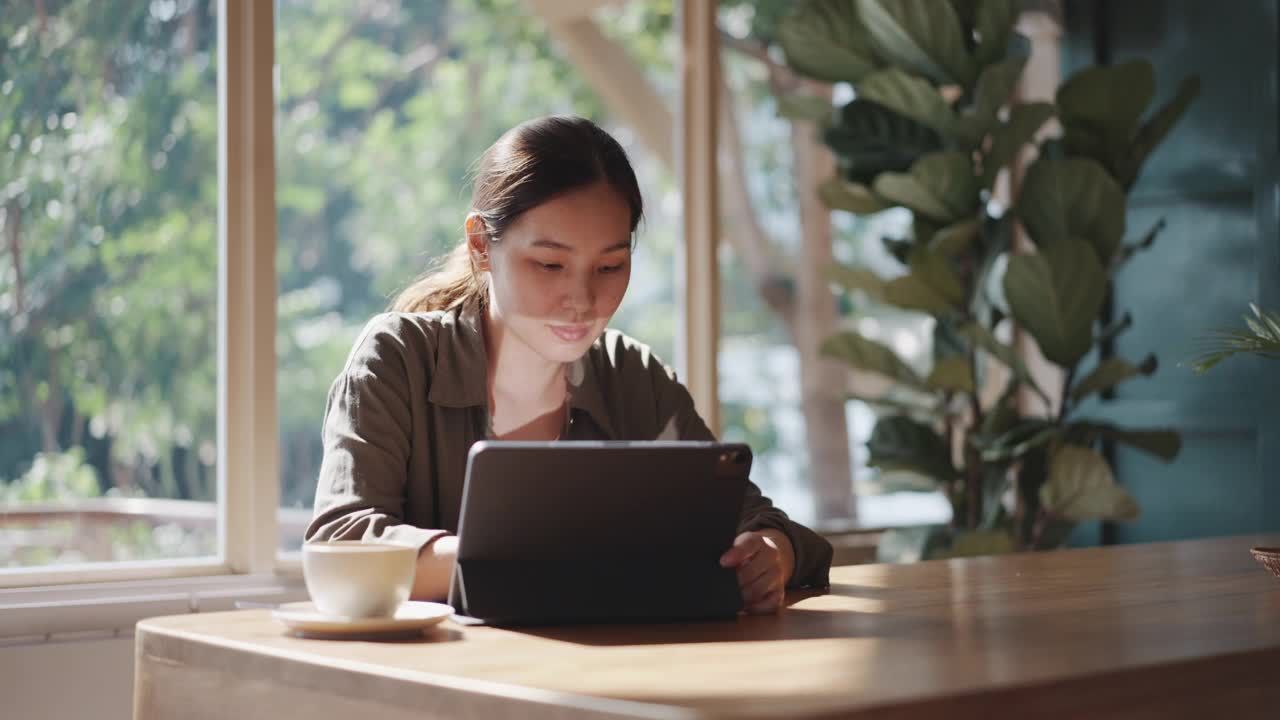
108, 281
776, 391
382, 109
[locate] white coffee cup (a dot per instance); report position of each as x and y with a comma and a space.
353, 578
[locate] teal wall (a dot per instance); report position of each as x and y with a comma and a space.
1215, 181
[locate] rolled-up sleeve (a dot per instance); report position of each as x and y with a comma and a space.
812, 552
367, 430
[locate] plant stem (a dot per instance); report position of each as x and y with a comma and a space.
1019, 512
1066, 389
974, 406
974, 474
973, 487
949, 431
1037, 533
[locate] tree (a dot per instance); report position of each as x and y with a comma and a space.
107, 285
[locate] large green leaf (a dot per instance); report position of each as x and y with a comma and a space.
1108, 99
995, 86
941, 186
952, 374
956, 238
1081, 487
911, 96
922, 230
856, 278
1024, 121
1108, 374
934, 269
870, 139
1154, 130
924, 36
995, 482
826, 40
869, 355
1164, 444
806, 107
903, 405
1002, 416
900, 443
906, 190
966, 13
994, 24
951, 179
1072, 197
983, 338
913, 292
840, 194
1022, 437
1056, 295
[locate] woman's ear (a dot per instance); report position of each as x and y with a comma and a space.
477, 242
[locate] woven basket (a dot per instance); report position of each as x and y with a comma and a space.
1269, 557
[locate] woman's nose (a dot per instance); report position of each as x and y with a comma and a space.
580, 297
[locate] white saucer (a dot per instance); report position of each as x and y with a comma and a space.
304, 618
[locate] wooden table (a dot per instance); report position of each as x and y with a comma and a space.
1188, 629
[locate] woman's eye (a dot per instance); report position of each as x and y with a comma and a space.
612, 268
549, 267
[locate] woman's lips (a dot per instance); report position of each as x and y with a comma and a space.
571, 333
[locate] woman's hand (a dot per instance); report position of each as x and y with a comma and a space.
435, 569
764, 561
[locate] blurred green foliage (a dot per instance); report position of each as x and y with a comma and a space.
109, 212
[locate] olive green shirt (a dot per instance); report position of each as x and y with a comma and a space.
414, 397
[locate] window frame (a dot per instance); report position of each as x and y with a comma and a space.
697, 158
248, 483
247, 461
248, 424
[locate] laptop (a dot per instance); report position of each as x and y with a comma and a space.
588, 532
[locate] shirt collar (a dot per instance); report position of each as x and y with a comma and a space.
585, 392
461, 370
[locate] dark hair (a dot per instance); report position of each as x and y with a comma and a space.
530, 164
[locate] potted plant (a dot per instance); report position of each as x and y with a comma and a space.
930, 128
1260, 336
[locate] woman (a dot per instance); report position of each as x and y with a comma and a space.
507, 340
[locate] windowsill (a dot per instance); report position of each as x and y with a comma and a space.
106, 609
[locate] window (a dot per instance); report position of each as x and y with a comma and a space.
777, 391
108, 282
109, 267
381, 109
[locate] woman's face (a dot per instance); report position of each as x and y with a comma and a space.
560, 270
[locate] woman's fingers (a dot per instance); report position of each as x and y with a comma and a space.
758, 565
759, 569
767, 604
759, 588
745, 546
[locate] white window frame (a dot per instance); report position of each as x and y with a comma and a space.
248, 467
248, 426
697, 160
76, 598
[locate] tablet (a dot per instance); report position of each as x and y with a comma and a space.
570, 532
